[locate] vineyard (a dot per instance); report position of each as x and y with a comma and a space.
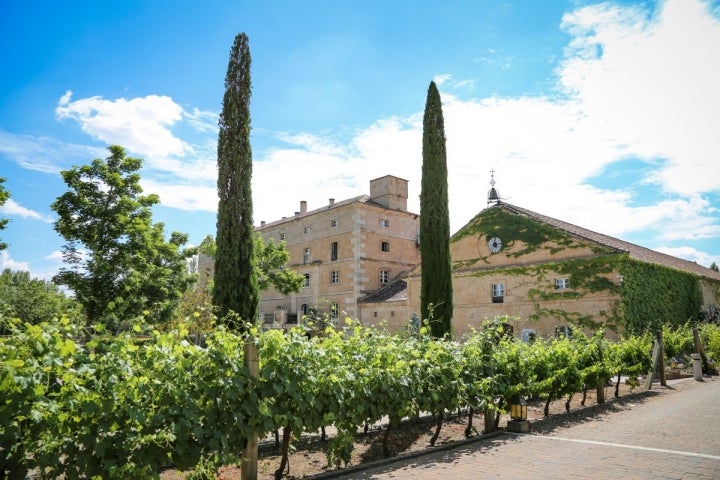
127, 406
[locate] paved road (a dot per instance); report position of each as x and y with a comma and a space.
669, 433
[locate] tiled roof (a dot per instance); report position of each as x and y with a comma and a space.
635, 251
359, 199
395, 291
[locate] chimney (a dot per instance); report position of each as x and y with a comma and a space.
303, 207
332, 202
262, 223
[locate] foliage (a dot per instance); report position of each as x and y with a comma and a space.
31, 299
677, 341
122, 406
633, 355
4, 195
119, 262
516, 229
654, 296
270, 260
235, 286
714, 267
710, 337
436, 282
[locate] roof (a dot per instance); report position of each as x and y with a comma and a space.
395, 291
359, 199
634, 251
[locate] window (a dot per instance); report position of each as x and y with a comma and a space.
334, 311
333, 223
333, 251
498, 292
282, 235
335, 277
528, 335
384, 223
384, 276
307, 230
304, 309
385, 246
306, 255
562, 283
563, 331
306, 282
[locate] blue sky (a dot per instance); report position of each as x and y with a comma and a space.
601, 114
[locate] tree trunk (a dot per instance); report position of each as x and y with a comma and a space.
285, 460
386, 450
469, 428
600, 390
438, 426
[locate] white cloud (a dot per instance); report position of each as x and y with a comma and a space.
183, 196
7, 262
649, 84
12, 208
55, 256
141, 125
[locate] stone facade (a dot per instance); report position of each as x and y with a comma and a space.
544, 274
345, 250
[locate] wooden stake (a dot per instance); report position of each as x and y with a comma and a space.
248, 468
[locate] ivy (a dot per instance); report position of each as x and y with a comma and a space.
515, 229
654, 295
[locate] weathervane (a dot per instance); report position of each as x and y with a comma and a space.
493, 195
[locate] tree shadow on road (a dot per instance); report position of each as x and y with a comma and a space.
591, 413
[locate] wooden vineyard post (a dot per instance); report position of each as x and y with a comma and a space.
655, 358
248, 469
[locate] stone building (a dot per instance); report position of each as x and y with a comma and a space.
344, 250
547, 275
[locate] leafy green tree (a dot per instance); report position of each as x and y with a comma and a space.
436, 296
120, 265
4, 195
235, 289
32, 300
713, 265
270, 260
236, 285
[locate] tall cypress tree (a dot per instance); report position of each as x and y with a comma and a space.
436, 296
235, 286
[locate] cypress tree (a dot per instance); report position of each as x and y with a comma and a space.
235, 284
436, 296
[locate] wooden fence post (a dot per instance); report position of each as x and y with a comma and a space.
248, 468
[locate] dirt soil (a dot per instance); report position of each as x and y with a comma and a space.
308, 457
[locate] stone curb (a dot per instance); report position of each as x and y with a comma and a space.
341, 472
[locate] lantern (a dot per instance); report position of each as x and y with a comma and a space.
518, 408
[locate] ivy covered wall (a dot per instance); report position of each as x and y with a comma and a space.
654, 295
643, 296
